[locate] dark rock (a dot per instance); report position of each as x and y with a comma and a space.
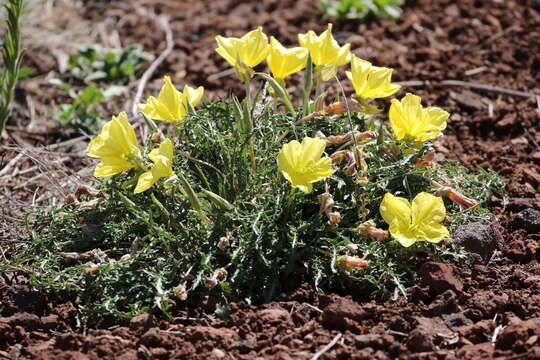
456, 320
528, 219
445, 303
142, 322
481, 238
440, 277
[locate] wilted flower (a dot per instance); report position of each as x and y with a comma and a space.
162, 167
324, 49
457, 197
348, 263
251, 49
171, 105
116, 146
303, 164
284, 62
410, 120
371, 82
419, 221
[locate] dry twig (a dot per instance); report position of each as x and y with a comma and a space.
327, 347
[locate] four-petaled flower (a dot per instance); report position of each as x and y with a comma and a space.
162, 167
416, 221
284, 62
303, 164
371, 82
410, 120
116, 146
252, 48
171, 105
324, 49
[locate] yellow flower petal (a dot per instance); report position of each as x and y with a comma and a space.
284, 62
395, 210
302, 163
410, 120
171, 104
162, 167
115, 144
371, 82
252, 48
324, 49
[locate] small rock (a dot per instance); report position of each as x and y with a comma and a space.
151, 338
343, 313
49, 322
456, 320
528, 219
29, 322
440, 277
142, 322
481, 238
479, 351
275, 316
445, 303
516, 336
218, 353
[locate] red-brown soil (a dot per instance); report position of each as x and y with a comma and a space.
482, 312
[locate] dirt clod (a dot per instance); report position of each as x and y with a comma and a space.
528, 219
441, 277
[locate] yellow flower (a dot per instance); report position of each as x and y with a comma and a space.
410, 120
284, 62
116, 146
302, 163
370, 81
171, 105
419, 221
162, 167
252, 48
324, 49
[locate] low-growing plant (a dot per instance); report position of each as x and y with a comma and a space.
11, 57
360, 9
81, 112
248, 199
95, 63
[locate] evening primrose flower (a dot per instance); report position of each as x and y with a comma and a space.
303, 164
116, 146
284, 62
171, 105
162, 167
370, 81
324, 49
252, 48
411, 121
419, 221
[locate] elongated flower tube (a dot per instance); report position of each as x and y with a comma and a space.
416, 221
116, 146
410, 120
303, 164
252, 48
324, 49
284, 62
171, 105
161, 168
371, 82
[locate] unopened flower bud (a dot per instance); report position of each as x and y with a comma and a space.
348, 263
457, 197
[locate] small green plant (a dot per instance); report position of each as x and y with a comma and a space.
360, 9
94, 63
81, 112
11, 57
